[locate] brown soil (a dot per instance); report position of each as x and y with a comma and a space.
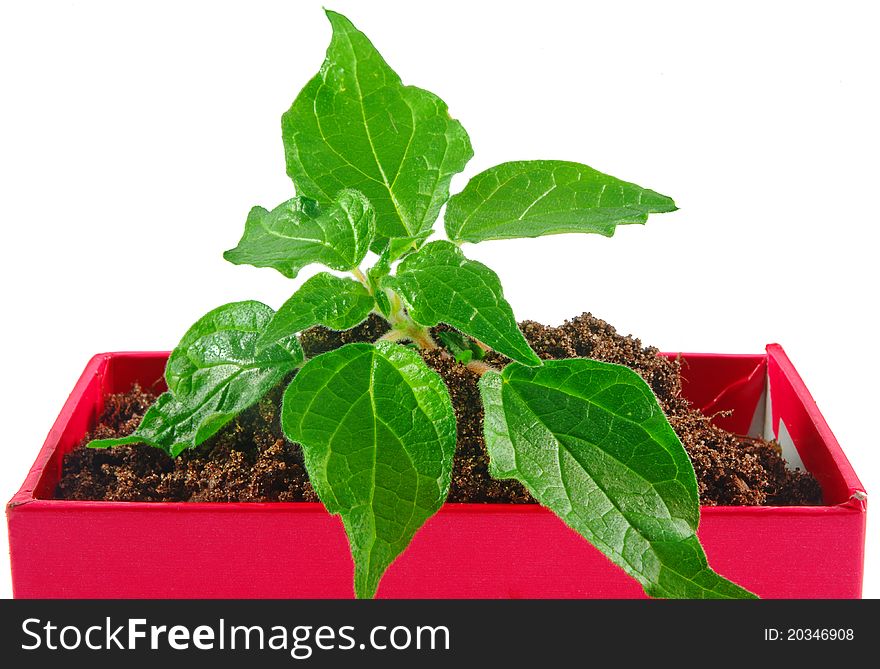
246, 462
249, 460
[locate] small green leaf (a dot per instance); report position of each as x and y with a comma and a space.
463, 348
355, 125
380, 270
530, 198
440, 285
454, 341
300, 232
375, 275
216, 372
383, 303
590, 442
327, 300
378, 432
477, 352
464, 357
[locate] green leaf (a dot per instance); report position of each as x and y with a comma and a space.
327, 300
531, 198
463, 348
375, 275
355, 125
216, 372
300, 232
380, 270
440, 285
378, 432
590, 442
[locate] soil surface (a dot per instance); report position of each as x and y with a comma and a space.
250, 461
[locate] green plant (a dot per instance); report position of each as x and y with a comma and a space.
371, 161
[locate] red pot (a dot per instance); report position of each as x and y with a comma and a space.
289, 550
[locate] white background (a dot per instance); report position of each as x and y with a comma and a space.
134, 137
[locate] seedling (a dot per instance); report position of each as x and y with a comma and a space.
371, 161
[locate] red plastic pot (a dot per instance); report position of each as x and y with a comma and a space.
129, 549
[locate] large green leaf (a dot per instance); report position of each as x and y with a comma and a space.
378, 432
300, 232
327, 300
590, 442
355, 125
216, 372
440, 285
530, 198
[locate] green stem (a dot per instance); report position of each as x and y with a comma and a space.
393, 335
406, 327
360, 276
403, 327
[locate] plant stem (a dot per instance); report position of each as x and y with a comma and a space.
360, 276
423, 339
392, 335
396, 305
403, 327
479, 367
